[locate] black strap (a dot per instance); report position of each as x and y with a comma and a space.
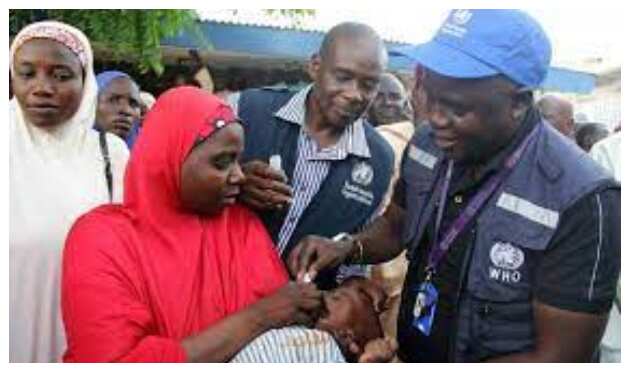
108, 163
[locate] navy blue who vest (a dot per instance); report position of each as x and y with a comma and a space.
494, 309
333, 209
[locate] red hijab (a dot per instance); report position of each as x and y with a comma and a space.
140, 277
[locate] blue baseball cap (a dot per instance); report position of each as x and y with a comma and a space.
481, 43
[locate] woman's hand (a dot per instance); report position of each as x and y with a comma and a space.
295, 303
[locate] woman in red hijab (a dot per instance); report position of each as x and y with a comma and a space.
178, 272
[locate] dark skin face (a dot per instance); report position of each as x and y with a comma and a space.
559, 113
472, 120
389, 105
48, 82
351, 317
211, 176
346, 81
118, 106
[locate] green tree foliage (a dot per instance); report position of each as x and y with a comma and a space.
132, 34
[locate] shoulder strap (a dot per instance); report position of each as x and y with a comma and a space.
108, 164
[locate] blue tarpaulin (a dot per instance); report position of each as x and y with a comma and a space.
297, 45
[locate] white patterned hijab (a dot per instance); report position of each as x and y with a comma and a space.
78, 43
55, 173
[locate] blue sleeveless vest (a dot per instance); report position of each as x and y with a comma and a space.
332, 209
494, 309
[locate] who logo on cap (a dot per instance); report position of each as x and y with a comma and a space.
462, 16
481, 43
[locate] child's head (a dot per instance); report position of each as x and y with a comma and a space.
351, 315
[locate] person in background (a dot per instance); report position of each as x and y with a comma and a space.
200, 72
607, 152
57, 172
119, 106
391, 104
204, 78
588, 134
146, 102
181, 75
233, 82
559, 113
179, 272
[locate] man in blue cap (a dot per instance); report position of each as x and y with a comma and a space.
513, 234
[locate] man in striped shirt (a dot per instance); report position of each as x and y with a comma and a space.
312, 164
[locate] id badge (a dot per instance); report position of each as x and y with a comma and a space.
424, 307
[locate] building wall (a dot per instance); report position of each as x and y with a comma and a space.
603, 106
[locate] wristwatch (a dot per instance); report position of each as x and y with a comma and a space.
356, 255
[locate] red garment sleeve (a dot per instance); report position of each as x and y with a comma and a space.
106, 319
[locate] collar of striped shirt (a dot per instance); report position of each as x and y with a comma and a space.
352, 141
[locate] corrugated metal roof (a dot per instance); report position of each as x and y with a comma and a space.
261, 18
237, 37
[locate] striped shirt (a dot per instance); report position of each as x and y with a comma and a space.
312, 163
295, 344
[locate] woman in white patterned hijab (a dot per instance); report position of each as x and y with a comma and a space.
56, 174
